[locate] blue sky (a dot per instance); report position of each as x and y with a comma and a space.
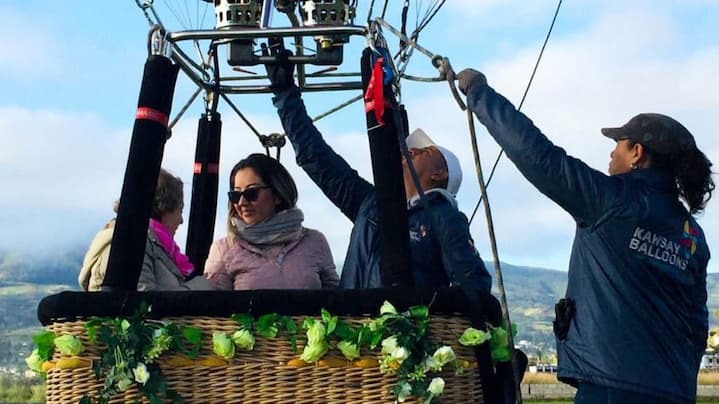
71, 76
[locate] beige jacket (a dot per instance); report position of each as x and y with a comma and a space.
159, 272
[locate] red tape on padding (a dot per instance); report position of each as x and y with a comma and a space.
151, 114
374, 96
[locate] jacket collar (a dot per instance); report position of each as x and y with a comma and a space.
431, 194
654, 178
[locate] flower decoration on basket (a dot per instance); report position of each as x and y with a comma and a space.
400, 341
497, 337
130, 349
45, 344
267, 326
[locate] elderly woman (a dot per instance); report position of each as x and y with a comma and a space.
267, 247
164, 267
633, 325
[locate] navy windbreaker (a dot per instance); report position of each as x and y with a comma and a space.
441, 248
637, 271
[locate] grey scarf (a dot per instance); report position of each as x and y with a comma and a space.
282, 227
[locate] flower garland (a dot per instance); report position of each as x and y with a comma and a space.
132, 346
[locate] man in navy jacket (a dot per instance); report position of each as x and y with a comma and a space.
441, 248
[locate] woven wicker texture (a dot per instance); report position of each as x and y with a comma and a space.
263, 375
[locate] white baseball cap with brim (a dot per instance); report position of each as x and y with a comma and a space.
419, 140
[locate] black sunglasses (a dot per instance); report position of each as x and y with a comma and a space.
250, 194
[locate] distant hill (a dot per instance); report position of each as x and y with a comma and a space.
42, 268
531, 295
25, 279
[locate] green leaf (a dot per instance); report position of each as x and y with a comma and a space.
500, 354
420, 312
308, 322
266, 325
193, 335
376, 338
244, 319
290, 326
331, 324
154, 399
293, 343
91, 329
44, 341
326, 316
345, 332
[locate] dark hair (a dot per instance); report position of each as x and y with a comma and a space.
168, 194
691, 172
273, 174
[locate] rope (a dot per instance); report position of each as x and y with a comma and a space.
495, 254
524, 96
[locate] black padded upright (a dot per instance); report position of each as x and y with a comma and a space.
388, 181
203, 207
143, 166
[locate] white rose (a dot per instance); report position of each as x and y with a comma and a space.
436, 386
442, 356
389, 345
387, 308
141, 373
400, 354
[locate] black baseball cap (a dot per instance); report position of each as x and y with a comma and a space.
657, 132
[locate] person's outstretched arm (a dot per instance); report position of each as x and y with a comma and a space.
337, 180
581, 190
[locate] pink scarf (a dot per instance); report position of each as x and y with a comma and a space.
173, 250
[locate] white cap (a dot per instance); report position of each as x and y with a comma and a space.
419, 140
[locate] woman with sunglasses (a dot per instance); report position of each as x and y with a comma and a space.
267, 247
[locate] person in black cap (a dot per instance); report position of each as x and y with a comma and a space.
633, 324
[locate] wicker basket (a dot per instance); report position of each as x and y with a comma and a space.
263, 375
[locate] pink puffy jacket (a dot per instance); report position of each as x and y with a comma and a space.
305, 263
